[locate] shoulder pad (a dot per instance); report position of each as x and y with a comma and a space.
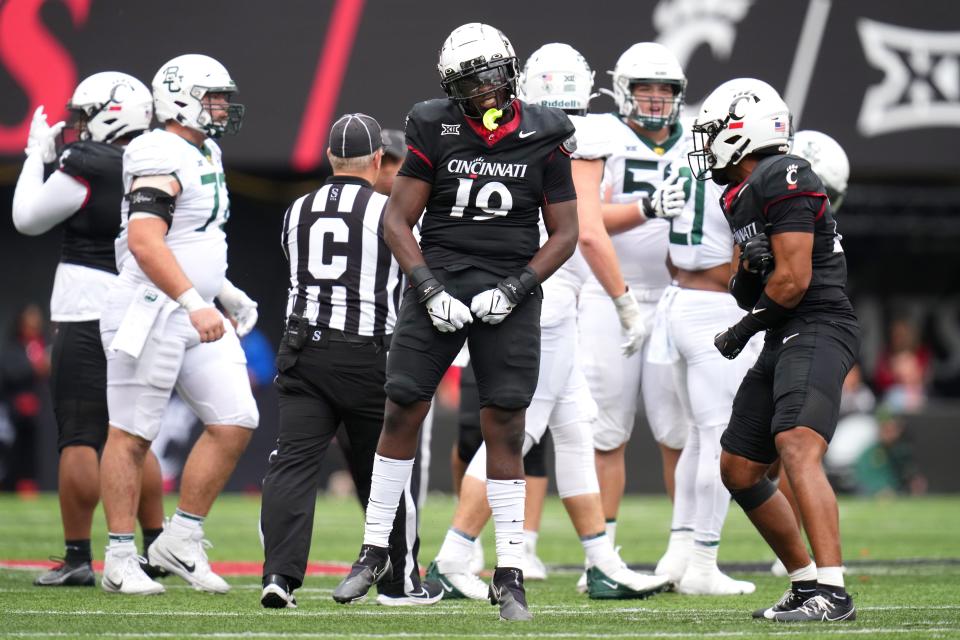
592, 142
87, 159
785, 175
155, 153
552, 122
569, 146
432, 111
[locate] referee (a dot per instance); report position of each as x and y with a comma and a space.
344, 291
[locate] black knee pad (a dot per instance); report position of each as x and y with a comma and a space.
403, 390
511, 399
752, 497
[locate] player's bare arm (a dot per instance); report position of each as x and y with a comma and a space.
595, 242
561, 222
791, 276
404, 208
146, 234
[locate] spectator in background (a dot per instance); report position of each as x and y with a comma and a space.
887, 466
902, 371
24, 365
394, 151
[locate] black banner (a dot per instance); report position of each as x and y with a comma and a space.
881, 76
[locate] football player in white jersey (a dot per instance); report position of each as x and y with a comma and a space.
639, 144
556, 75
160, 327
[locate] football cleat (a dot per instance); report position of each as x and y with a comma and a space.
122, 574
477, 561
430, 593
187, 557
277, 593
506, 589
533, 567
582, 583
372, 566
712, 582
456, 581
67, 575
673, 564
623, 584
150, 569
823, 607
792, 599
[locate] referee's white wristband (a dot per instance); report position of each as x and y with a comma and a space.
191, 300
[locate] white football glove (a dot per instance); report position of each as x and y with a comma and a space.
491, 306
42, 138
632, 321
666, 202
240, 307
447, 313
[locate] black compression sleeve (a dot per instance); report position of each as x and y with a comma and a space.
426, 285
766, 314
746, 288
156, 202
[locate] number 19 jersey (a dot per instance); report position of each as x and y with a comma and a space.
196, 235
488, 186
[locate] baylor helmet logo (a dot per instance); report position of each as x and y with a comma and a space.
171, 79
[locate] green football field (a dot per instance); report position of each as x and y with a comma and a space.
903, 557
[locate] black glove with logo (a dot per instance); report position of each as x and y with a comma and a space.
756, 255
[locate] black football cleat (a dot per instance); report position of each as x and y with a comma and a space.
65, 574
823, 607
277, 593
506, 589
791, 599
153, 571
371, 567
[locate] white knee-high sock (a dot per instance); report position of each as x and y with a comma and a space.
713, 499
685, 491
506, 499
457, 546
386, 487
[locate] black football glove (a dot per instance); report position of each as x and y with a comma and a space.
756, 255
731, 342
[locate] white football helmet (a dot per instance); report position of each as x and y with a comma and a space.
556, 75
739, 117
110, 105
648, 62
827, 159
179, 89
477, 60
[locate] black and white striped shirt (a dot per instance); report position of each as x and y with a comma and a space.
342, 274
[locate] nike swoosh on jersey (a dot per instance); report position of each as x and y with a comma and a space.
755, 311
790, 337
526, 134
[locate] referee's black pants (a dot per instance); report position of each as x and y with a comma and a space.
321, 386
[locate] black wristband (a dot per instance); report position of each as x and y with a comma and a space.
516, 288
766, 314
427, 286
746, 288
156, 202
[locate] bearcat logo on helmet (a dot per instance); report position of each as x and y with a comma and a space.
479, 167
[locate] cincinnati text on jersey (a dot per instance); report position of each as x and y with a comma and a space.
479, 167
743, 234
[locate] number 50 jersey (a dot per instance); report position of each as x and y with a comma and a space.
196, 234
488, 187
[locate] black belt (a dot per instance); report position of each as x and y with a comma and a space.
299, 334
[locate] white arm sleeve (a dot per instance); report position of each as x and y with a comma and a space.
39, 206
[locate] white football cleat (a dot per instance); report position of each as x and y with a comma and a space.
122, 574
532, 566
712, 582
456, 580
476, 557
673, 564
582, 583
187, 558
778, 569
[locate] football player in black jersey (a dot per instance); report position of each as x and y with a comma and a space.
83, 194
482, 164
791, 283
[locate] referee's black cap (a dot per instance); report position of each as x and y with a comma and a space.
394, 143
354, 135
